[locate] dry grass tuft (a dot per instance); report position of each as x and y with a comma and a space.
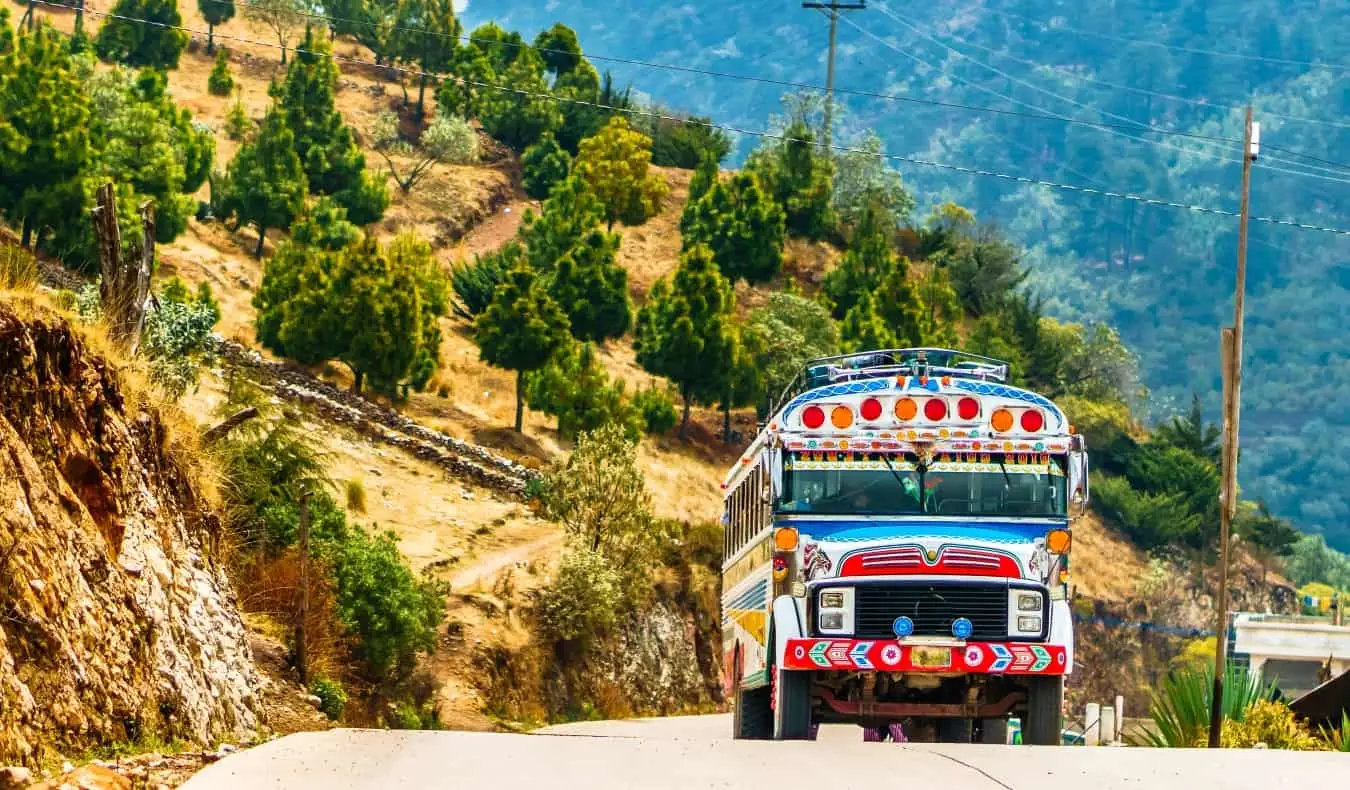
356, 496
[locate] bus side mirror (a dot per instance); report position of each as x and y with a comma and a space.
1079, 485
773, 464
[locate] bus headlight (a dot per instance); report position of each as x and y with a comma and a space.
834, 610
1025, 609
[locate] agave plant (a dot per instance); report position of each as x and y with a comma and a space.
1180, 709
1338, 740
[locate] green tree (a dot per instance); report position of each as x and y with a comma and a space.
520, 116
432, 49
616, 164
941, 310
863, 178
588, 104
44, 134
705, 177
684, 142
984, 271
743, 383
795, 171
334, 164
1269, 536
143, 33
868, 261
559, 48
221, 81
592, 288
544, 165
282, 17
214, 13
1192, 433
863, 328
574, 388
521, 329
267, 181
684, 330
741, 225
475, 283
464, 95
900, 306
571, 212
783, 335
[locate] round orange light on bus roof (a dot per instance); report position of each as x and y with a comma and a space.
967, 408
906, 409
870, 409
841, 417
1032, 421
1001, 420
935, 409
813, 417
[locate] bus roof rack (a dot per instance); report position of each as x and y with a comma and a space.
894, 362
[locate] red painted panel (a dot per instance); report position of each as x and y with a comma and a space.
951, 561
1007, 658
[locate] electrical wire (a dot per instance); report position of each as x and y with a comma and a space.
973, 171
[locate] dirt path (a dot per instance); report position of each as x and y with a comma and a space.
489, 566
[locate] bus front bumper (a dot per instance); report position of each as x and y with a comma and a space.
890, 655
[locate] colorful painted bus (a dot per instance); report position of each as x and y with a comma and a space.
897, 544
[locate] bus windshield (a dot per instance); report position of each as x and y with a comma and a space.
875, 484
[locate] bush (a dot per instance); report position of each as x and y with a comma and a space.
475, 283
237, 123
584, 598
542, 165
684, 143
175, 336
1180, 709
450, 139
1270, 723
392, 614
356, 496
575, 389
332, 697
657, 407
221, 81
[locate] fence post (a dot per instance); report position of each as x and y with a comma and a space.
1092, 725
1108, 727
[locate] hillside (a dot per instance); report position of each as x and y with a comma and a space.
1162, 276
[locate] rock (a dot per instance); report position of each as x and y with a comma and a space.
15, 778
38, 585
314, 701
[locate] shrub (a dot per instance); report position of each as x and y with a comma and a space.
332, 697
1180, 709
584, 598
657, 407
221, 81
356, 496
475, 283
542, 165
237, 123
1270, 723
175, 336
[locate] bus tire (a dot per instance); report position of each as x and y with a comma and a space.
752, 719
1045, 702
794, 706
994, 731
953, 730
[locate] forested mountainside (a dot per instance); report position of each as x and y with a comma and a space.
1163, 276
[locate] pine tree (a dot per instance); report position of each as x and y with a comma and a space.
574, 387
521, 329
432, 49
127, 38
543, 165
743, 384
616, 163
592, 288
800, 178
684, 330
502, 48
215, 13
571, 212
863, 329
372, 308
221, 82
741, 225
522, 115
559, 48
1192, 432
44, 134
703, 180
267, 182
463, 93
334, 164
867, 262
941, 310
900, 307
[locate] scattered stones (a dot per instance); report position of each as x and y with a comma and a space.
15, 778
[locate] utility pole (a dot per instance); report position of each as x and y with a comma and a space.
834, 7
301, 649
1232, 397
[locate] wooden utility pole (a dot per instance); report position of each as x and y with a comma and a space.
834, 7
301, 653
1232, 397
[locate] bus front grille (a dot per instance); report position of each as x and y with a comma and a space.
932, 607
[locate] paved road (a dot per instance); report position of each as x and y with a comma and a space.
695, 752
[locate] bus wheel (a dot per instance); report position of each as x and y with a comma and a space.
753, 719
1045, 702
994, 731
953, 730
794, 706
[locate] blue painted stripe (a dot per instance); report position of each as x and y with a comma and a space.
851, 530
753, 598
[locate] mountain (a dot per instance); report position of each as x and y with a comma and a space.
1162, 275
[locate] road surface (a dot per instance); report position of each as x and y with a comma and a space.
696, 752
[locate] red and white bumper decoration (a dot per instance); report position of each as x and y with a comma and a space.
888, 655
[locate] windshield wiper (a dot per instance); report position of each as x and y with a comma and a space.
1007, 479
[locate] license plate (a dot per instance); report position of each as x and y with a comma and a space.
930, 657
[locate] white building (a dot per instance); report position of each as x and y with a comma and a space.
1292, 649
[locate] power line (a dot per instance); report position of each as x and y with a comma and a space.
736, 130
1175, 47
1041, 116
